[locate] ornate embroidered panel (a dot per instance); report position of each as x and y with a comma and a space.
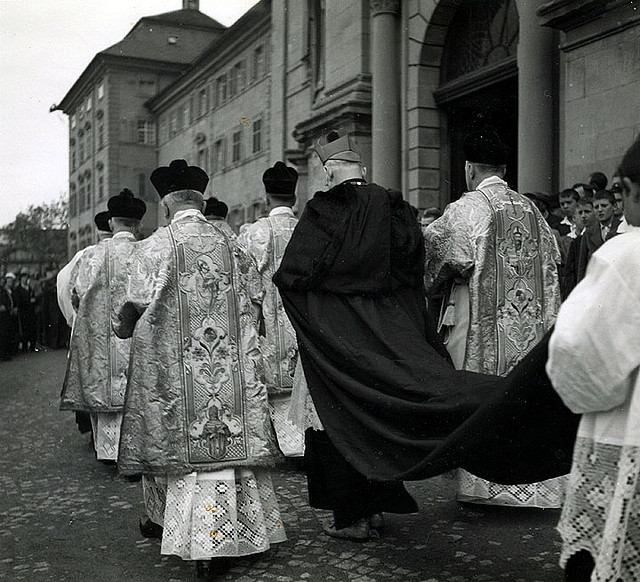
266, 241
519, 289
212, 375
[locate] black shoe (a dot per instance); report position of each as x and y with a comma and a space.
209, 569
150, 529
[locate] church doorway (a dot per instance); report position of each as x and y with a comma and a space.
495, 106
479, 84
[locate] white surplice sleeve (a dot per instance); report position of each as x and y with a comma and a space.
64, 287
595, 346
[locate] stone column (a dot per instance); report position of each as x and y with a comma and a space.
385, 69
536, 101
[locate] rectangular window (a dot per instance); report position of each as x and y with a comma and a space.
81, 197
89, 104
81, 149
233, 87
173, 124
163, 129
100, 135
187, 112
146, 132
88, 148
203, 159
73, 210
203, 102
89, 195
217, 162
213, 93
73, 122
73, 160
240, 75
146, 87
222, 89
257, 136
101, 90
100, 187
235, 147
258, 63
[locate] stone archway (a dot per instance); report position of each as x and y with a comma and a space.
464, 73
428, 148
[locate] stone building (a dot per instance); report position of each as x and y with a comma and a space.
112, 135
217, 114
408, 79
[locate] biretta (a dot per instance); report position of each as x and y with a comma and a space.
126, 205
337, 147
280, 180
484, 147
215, 207
102, 221
9, 275
178, 175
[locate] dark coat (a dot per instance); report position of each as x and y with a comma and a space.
350, 281
591, 242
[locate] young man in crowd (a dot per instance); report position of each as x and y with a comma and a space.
605, 228
585, 219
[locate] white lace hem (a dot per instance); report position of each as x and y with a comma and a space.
602, 509
547, 494
106, 434
233, 512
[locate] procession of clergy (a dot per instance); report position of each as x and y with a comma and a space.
199, 358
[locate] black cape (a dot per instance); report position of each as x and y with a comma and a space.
380, 378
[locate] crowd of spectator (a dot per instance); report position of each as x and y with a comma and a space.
30, 319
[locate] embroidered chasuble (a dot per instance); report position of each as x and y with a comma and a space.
496, 245
500, 244
195, 401
266, 241
98, 360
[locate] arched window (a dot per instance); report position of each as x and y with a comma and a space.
481, 34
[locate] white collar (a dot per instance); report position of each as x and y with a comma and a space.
624, 226
491, 181
566, 220
282, 210
189, 212
123, 234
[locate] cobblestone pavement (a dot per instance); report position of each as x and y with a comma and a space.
66, 517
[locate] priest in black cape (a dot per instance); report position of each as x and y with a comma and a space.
390, 402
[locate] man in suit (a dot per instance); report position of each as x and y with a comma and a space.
606, 228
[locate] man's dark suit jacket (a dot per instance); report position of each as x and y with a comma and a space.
591, 242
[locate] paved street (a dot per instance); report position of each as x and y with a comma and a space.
66, 517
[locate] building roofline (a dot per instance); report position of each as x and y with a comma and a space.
259, 16
159, 18
99, 66
102, 58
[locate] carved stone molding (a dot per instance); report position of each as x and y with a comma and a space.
385, 7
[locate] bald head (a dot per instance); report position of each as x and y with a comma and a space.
337, 171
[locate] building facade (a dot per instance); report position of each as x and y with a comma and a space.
407, 79
112, 134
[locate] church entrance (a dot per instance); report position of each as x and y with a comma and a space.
479, 84
495, 106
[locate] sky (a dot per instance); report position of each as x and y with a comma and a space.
44, 47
